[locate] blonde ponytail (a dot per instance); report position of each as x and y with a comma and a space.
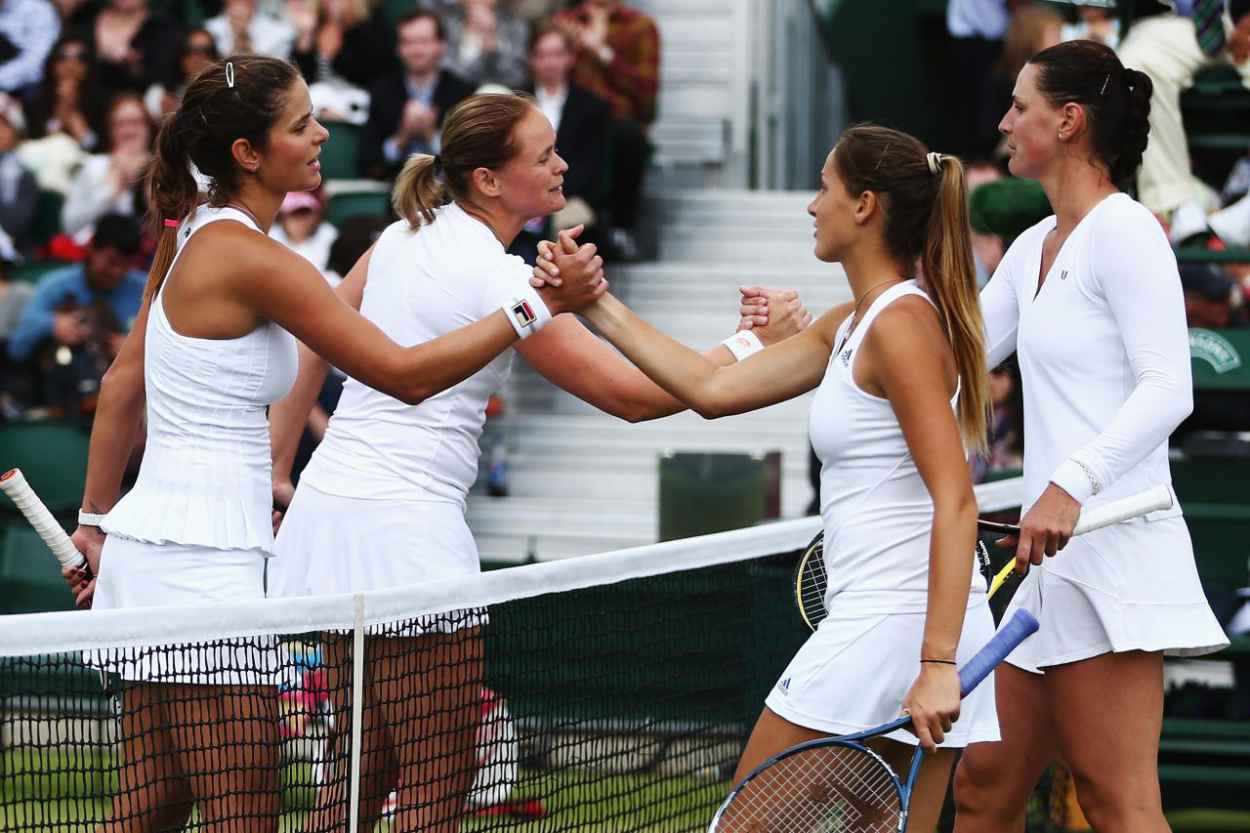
418, 191
950, 277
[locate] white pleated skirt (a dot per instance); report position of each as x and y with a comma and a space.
854, 671
137, 574
333, 544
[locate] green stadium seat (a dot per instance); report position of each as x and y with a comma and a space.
347, 204
53, 458
33, 270
47, 222
1195, 254
340, 154
29, 574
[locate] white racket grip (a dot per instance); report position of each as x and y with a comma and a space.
16, 487
1151, 500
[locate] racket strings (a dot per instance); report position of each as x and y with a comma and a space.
827, 789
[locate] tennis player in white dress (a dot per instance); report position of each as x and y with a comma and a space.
900, 385
381, 503
1090, 302
212, 347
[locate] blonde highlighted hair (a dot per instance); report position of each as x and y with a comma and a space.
477, 133
926, 218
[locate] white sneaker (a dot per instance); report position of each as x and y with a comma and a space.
1232, 224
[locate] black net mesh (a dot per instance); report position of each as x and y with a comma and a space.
621, 707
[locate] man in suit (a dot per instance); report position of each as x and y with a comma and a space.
406, 108
583, 123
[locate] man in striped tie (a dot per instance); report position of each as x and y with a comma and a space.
1171, 49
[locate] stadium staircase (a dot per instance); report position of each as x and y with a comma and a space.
581, 481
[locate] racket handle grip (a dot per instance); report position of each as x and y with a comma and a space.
1151, 500
1020, 628
14, 484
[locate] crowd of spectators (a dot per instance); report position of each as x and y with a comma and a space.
84, 85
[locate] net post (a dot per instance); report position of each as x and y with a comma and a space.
358, 680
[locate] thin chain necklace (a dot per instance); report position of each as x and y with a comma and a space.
238, 206
860, 302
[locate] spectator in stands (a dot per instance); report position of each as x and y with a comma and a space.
582, 122
1004, 449
133, 45
618, 59
111, 182
1211, 298
999, 212
69, 99
338, 42
28, 28
486, 44
241, 29
1094, 23
199, 51
105, 277
19, 192
975, 29
406, 108
301, 228
1171, 48
1032, 29
14, 296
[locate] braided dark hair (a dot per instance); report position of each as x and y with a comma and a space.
1116, 100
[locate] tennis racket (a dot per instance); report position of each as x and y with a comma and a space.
14, 484
811, 580
839, 784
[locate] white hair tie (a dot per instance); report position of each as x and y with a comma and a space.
230, 74
935, 162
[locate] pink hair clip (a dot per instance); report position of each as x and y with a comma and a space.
171, 224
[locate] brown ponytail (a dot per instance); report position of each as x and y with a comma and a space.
477, 133
217, 108
951, 279
926, 218
418, 191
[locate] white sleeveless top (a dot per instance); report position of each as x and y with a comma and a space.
206, 473
877, 513
421, 285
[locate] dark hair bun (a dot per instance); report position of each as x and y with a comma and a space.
1135, 128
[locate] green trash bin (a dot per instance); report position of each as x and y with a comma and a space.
704, 492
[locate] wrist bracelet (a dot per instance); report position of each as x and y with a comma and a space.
86, 518
743, 343
526, 311
941, 661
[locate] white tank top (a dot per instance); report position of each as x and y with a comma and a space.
420, 285
206, 473
877, 513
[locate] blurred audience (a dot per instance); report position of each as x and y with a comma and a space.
133, 46
582, 122
975, 30
241, 28
406, 107
1094, 23
198, 51
486, 44
302, 228
104, 282
338, 43
19, 191
999, 211
1171, 48
1005, 451
13, 296
618, 59
1212, 299
28, 28
1032, 29
69, 100
112, 182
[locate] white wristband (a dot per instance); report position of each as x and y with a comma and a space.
743, 343
526, 311
86, 518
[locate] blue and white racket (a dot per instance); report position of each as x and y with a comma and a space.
839, 784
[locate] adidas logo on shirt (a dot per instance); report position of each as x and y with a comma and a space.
784, 686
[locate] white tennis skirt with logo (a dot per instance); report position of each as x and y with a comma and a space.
334, 544
138, 574
854, 671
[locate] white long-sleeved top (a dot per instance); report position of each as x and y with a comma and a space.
1103, 351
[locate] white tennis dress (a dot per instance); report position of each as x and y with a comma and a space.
196, 527
855, 670
1104, 357
381, 504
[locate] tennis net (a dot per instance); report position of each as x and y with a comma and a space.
611, 693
